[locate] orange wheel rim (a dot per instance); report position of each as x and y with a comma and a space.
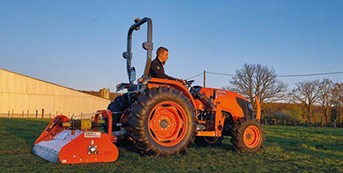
251, 136
167, 123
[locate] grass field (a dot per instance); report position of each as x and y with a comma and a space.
287, 149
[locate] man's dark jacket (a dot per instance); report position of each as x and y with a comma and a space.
157, 70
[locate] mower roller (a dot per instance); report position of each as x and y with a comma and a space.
160, 117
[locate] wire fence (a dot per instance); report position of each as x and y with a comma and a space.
35, 114
276, 122
23, 115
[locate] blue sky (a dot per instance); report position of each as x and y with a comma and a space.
78, 44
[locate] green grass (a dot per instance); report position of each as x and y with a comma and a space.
287, 149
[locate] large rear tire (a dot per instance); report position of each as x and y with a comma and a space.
247, 135
162, 122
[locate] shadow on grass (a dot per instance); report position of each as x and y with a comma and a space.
28, 130
315, 149
127, 145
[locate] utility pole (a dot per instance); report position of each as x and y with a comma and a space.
204, 78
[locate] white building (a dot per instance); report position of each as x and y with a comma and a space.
24, 96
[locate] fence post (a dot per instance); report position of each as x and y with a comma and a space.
321, 121
265, 122
308, 123
284, 122
42, 113
36, 113
335, 123
275, 122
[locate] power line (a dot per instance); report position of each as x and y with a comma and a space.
284, 76
313, 74
223, 74
195, 76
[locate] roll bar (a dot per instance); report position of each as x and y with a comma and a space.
148, 46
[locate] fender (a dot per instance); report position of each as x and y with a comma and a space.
258, 109
158, 82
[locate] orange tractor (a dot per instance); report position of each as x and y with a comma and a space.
161, 117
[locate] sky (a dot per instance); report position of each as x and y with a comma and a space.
79, 44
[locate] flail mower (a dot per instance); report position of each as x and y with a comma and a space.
161, 117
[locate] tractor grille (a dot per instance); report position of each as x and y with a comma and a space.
244, 106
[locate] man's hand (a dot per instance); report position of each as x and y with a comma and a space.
182, 81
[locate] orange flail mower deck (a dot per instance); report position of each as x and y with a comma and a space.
61, 142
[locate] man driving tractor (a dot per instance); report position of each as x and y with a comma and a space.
157, 69
160, 116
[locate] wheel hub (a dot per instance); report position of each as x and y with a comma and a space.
164, 124
167, 123
251, 136
248, 136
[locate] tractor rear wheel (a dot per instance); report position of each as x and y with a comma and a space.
162, 122
247, 135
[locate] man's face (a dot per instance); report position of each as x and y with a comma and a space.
164, 56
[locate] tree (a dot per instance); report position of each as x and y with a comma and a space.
307, 93
325, 97
295, 114
257, 80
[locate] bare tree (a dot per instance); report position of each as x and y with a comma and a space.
325, 97
307, 93
257, 80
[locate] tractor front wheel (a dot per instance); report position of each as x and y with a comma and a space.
162, 122
247, 135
